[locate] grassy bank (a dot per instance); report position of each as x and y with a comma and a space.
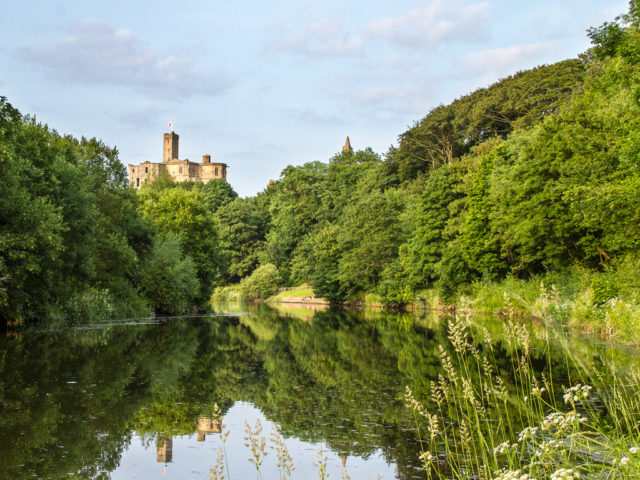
606, 302
300, 292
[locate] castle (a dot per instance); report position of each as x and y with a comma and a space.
179, 170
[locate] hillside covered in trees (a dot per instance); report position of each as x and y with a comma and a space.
537, 174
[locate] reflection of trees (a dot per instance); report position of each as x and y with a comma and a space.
336, 379
67, 397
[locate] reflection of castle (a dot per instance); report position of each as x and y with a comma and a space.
164, 443
165, 449
207, 425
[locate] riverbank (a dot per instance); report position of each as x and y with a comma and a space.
606, 303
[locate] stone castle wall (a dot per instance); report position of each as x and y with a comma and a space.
179, 170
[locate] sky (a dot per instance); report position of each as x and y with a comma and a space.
263, 85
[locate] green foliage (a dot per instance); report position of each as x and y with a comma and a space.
602, 289
519, 101
262, 283
481, 245
324, 278
168, 279
617, 38
242, 237
216, 192
369, 239
294, 203
427, 218
185, 214
69, 226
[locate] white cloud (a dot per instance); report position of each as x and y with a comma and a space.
386, 101
505, 61
94, 53
320, 39
440, 21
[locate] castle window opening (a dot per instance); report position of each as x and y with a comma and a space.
179, 169
137, 182
146, 169
216, 171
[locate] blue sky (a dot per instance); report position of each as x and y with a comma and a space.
262, 85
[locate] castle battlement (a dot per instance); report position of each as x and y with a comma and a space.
179, 170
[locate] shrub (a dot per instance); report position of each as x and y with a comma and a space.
262, 283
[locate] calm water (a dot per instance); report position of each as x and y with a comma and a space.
135, 400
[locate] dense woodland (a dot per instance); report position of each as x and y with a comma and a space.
538, 174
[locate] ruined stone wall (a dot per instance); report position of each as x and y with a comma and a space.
143, 173
210, 171
179, 170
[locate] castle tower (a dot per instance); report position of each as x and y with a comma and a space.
347, 146
170, 150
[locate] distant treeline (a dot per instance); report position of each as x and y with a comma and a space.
539, 172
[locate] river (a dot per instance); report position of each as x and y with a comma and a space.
137, 399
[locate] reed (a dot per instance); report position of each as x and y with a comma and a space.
483, 429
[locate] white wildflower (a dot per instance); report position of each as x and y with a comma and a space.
576, 393
427, 459
561, 421
537, 391
503, 448
529, 432
512, 475
546, 447
565, 474
634, 450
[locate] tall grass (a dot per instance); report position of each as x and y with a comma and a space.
605, 302
475, 426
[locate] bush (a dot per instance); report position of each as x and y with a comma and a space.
603, 289
262, 283
230, 293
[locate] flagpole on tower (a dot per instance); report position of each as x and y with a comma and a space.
171, 126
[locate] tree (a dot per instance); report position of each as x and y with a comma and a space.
168, 277
242, 237
294, 205
185, 214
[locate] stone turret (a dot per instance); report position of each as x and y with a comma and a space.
347, 146
170, 151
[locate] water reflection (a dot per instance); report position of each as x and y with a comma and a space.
86, 402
